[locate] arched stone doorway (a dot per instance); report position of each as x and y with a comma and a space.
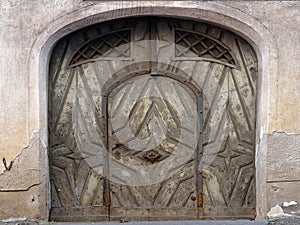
191, 69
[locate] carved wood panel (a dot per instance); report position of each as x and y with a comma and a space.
152, 167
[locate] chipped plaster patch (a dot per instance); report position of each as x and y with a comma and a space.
291, 203
24, 172
42, 139
275, 212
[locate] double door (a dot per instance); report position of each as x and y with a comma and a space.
152, 119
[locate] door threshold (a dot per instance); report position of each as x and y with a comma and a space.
185, 222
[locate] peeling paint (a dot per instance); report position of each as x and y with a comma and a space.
23, 173
34, 133
25, 185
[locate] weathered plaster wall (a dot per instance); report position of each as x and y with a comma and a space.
283, 168
282, 20
25, 27
23, 187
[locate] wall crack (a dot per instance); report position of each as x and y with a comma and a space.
20, 190
22, 173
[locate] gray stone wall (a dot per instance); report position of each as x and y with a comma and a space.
29, 30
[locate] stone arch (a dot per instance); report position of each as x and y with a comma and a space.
232, 19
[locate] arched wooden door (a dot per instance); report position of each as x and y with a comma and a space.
152, 119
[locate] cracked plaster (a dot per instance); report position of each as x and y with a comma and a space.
22, 187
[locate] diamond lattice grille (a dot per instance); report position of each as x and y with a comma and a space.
188, 44
110, 45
